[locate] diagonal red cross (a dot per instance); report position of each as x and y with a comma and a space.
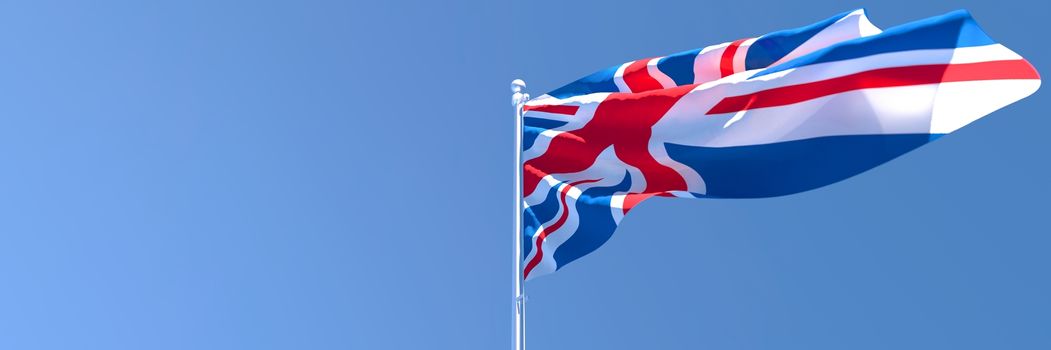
624, 121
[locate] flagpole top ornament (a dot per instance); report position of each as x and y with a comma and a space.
519, 97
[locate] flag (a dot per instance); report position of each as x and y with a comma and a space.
778, 114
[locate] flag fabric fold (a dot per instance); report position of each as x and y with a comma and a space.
782, 113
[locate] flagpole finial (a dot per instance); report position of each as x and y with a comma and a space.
519, 97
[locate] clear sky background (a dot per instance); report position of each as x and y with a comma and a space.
337, 175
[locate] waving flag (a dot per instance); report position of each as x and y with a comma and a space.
782, 113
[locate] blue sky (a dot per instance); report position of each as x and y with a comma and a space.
336, 175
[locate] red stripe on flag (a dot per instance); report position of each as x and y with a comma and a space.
554, 227
726, 62
878, 78
557, 109
637, 76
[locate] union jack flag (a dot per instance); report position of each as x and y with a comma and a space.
774, 115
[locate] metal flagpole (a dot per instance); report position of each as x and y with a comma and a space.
518, 99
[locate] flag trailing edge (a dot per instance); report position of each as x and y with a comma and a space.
782, 113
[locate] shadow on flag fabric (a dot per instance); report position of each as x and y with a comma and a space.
778, 114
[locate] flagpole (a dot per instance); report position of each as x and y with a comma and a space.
518, 100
